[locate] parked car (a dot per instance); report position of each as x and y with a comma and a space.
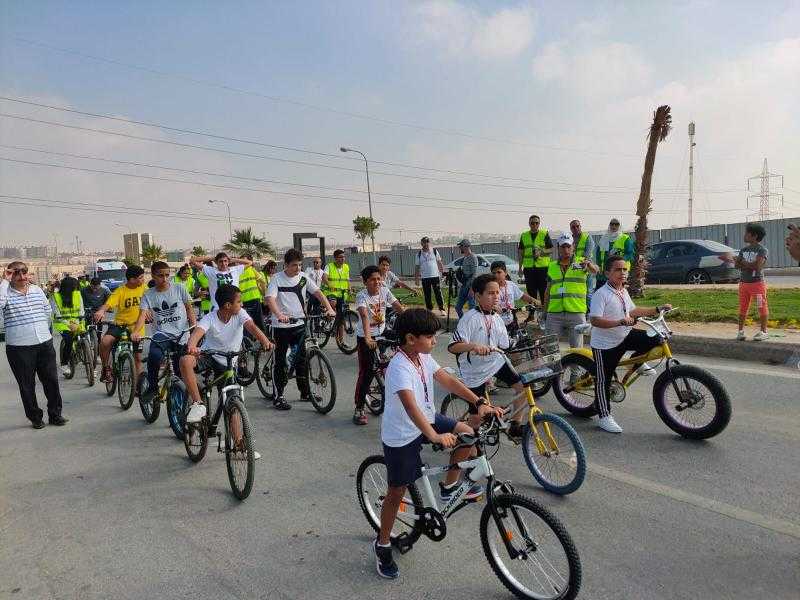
691, 261
485, 261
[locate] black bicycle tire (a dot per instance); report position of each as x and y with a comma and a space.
234, 402
176, 415
722, 401
125, 403
202, 428
573, 559
246, 381
451, 399
540, 388
155, 405
416, 531
588, 365
319, 407
577, 444
71, 364
265, 387
323, 333
379, 384
87, 362
340, 323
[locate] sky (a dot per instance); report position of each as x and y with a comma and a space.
472, 115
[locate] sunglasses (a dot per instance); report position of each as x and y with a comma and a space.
20, 271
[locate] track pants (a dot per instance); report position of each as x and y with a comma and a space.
606, 362
535, 282
365, 371
294, 338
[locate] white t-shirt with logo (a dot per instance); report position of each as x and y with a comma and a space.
289, 300
607, 304
168, 308
217, 277
427, 263
224, 337
488, 330
397, 428
376, 310
509, 294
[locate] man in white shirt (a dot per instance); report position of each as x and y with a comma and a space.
429, 267
286, 297
226, 270
315, 274
613, 315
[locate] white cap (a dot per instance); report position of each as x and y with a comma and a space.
564, 239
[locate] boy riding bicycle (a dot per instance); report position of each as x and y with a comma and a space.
410, 419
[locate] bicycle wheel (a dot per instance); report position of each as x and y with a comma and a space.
699, 408
246, 364
152, 408
195, 438
544, 563
87, 360
324, 330
126, 386
264, 361
371, 486
376, 395
574, 386
540, 388
455, 408
71, 372
321, 381
346, 331
239, 453
560, 465
176, 402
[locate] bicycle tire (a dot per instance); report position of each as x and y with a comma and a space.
455, 407
540, 388
111, 385
322, 383
371, 508
347, 326
243, 454
496, 553
579, 404
195, 438
176, 402
263, 366
575, 459
324, 330
88, 362
669, 414
247, 362
126, 386
71, 373
150, 410
376, 395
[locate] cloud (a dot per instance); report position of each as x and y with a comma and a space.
460, 30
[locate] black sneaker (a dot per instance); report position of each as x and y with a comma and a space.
37, 424
59, 420
384, 562
280, 403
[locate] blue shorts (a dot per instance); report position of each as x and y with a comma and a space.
403, 463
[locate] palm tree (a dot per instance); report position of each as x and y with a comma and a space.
243, 241
662, 124
199, 251
151, 254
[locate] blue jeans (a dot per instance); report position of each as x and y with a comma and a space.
464, 298
156, 355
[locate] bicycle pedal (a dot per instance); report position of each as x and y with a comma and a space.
402, 543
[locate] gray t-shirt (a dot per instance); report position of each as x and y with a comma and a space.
750, 254
469, 267
168, 308
93, 300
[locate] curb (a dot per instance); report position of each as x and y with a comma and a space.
775, 353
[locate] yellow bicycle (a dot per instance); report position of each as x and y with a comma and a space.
690, 400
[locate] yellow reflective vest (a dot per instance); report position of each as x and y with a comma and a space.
528, 243
567, 289
69, 313
248, 284
580, 249
618, 247
202, 281
338, 279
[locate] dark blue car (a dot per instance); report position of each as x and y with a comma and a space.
691, 261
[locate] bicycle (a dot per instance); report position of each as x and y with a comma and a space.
81, 352
122, 371
524, 335
344, 325
556, 456
246, 365
321, 380
698, 412
376, 394
238, 443
170, 389
528, 548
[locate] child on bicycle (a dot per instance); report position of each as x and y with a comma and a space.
410, 419
477, 334
222, 330
509, 294
371, 305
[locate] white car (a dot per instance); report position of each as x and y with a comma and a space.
485, 261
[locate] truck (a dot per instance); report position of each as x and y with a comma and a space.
110, 271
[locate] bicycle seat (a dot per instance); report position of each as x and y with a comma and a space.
537, 375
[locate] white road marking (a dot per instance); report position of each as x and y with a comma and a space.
783, 372
728, 510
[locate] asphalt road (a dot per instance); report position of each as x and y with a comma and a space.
109, 507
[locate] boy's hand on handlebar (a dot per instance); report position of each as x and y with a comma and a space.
267, 345
445, 440
136, 336
486, 411
330, 313
282, 318
193, 350
482, 350
628, 320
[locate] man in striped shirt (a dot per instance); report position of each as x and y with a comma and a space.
29, 345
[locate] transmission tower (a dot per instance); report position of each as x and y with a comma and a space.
691, 170
766, 198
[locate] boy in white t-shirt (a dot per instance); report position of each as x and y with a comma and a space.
509, 294
227, 270
371, 305
221, 330
410, 419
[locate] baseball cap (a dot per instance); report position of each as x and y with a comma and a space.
463, 243
564, 239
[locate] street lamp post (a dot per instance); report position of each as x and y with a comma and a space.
228, 206
369, 195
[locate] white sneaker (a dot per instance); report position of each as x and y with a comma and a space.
609, 424
65, 370
647, 371
196, 413
256, 455
741, 336
760, 336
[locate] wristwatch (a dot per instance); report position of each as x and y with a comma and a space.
480, 402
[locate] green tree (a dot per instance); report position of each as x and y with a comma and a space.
244, 241
365, 227
129, 262
151, 254
199, 251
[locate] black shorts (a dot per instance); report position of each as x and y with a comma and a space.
506, 374
116, 332
208, 363
403, 463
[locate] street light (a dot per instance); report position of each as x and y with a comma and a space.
228, 206
369, 194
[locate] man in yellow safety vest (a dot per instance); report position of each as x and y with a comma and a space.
251, 285
337, 279
533, 255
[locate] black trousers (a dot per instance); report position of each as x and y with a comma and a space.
66, 348
256, 312
606, 362
366, 373
535, 281
432, 284
26, 363
294, 338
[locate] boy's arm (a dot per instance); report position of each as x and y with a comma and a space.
447, 440
190, 314
398, 307
364, 316
324, 301
194, 338
197, 261
457, 387
240, 261
137, 328
250, 326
